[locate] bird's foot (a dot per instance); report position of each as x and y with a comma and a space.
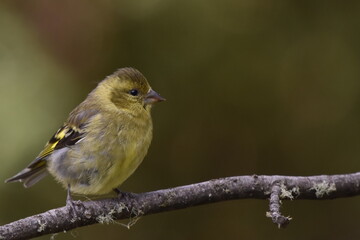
125, 196
74, 206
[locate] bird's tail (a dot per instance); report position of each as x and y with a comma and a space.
29, 176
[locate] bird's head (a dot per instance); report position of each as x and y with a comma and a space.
129, 89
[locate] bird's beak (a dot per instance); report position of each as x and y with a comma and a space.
153, 97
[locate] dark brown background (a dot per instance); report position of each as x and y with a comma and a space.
266, 87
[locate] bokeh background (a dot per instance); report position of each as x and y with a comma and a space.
265, 87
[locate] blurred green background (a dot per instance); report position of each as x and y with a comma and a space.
265, 87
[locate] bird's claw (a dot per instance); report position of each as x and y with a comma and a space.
124, 195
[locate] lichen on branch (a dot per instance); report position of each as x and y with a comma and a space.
275, 188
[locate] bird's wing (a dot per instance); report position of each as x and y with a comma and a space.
68, 135
35, 171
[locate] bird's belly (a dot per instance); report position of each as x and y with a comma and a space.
99, 170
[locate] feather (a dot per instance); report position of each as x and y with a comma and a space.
68, 135
34, 178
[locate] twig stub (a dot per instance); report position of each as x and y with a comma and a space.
274, 207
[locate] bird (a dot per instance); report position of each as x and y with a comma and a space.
103, 140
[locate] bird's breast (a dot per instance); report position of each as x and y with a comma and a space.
123, 146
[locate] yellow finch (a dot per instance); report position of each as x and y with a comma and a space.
104, 139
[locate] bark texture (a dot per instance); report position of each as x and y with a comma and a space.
275, 188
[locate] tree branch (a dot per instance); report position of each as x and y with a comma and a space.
275, 203
135, 205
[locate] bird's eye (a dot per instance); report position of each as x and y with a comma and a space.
134, 92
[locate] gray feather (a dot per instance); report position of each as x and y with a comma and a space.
31, 180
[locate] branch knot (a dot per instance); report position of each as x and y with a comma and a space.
274, 205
